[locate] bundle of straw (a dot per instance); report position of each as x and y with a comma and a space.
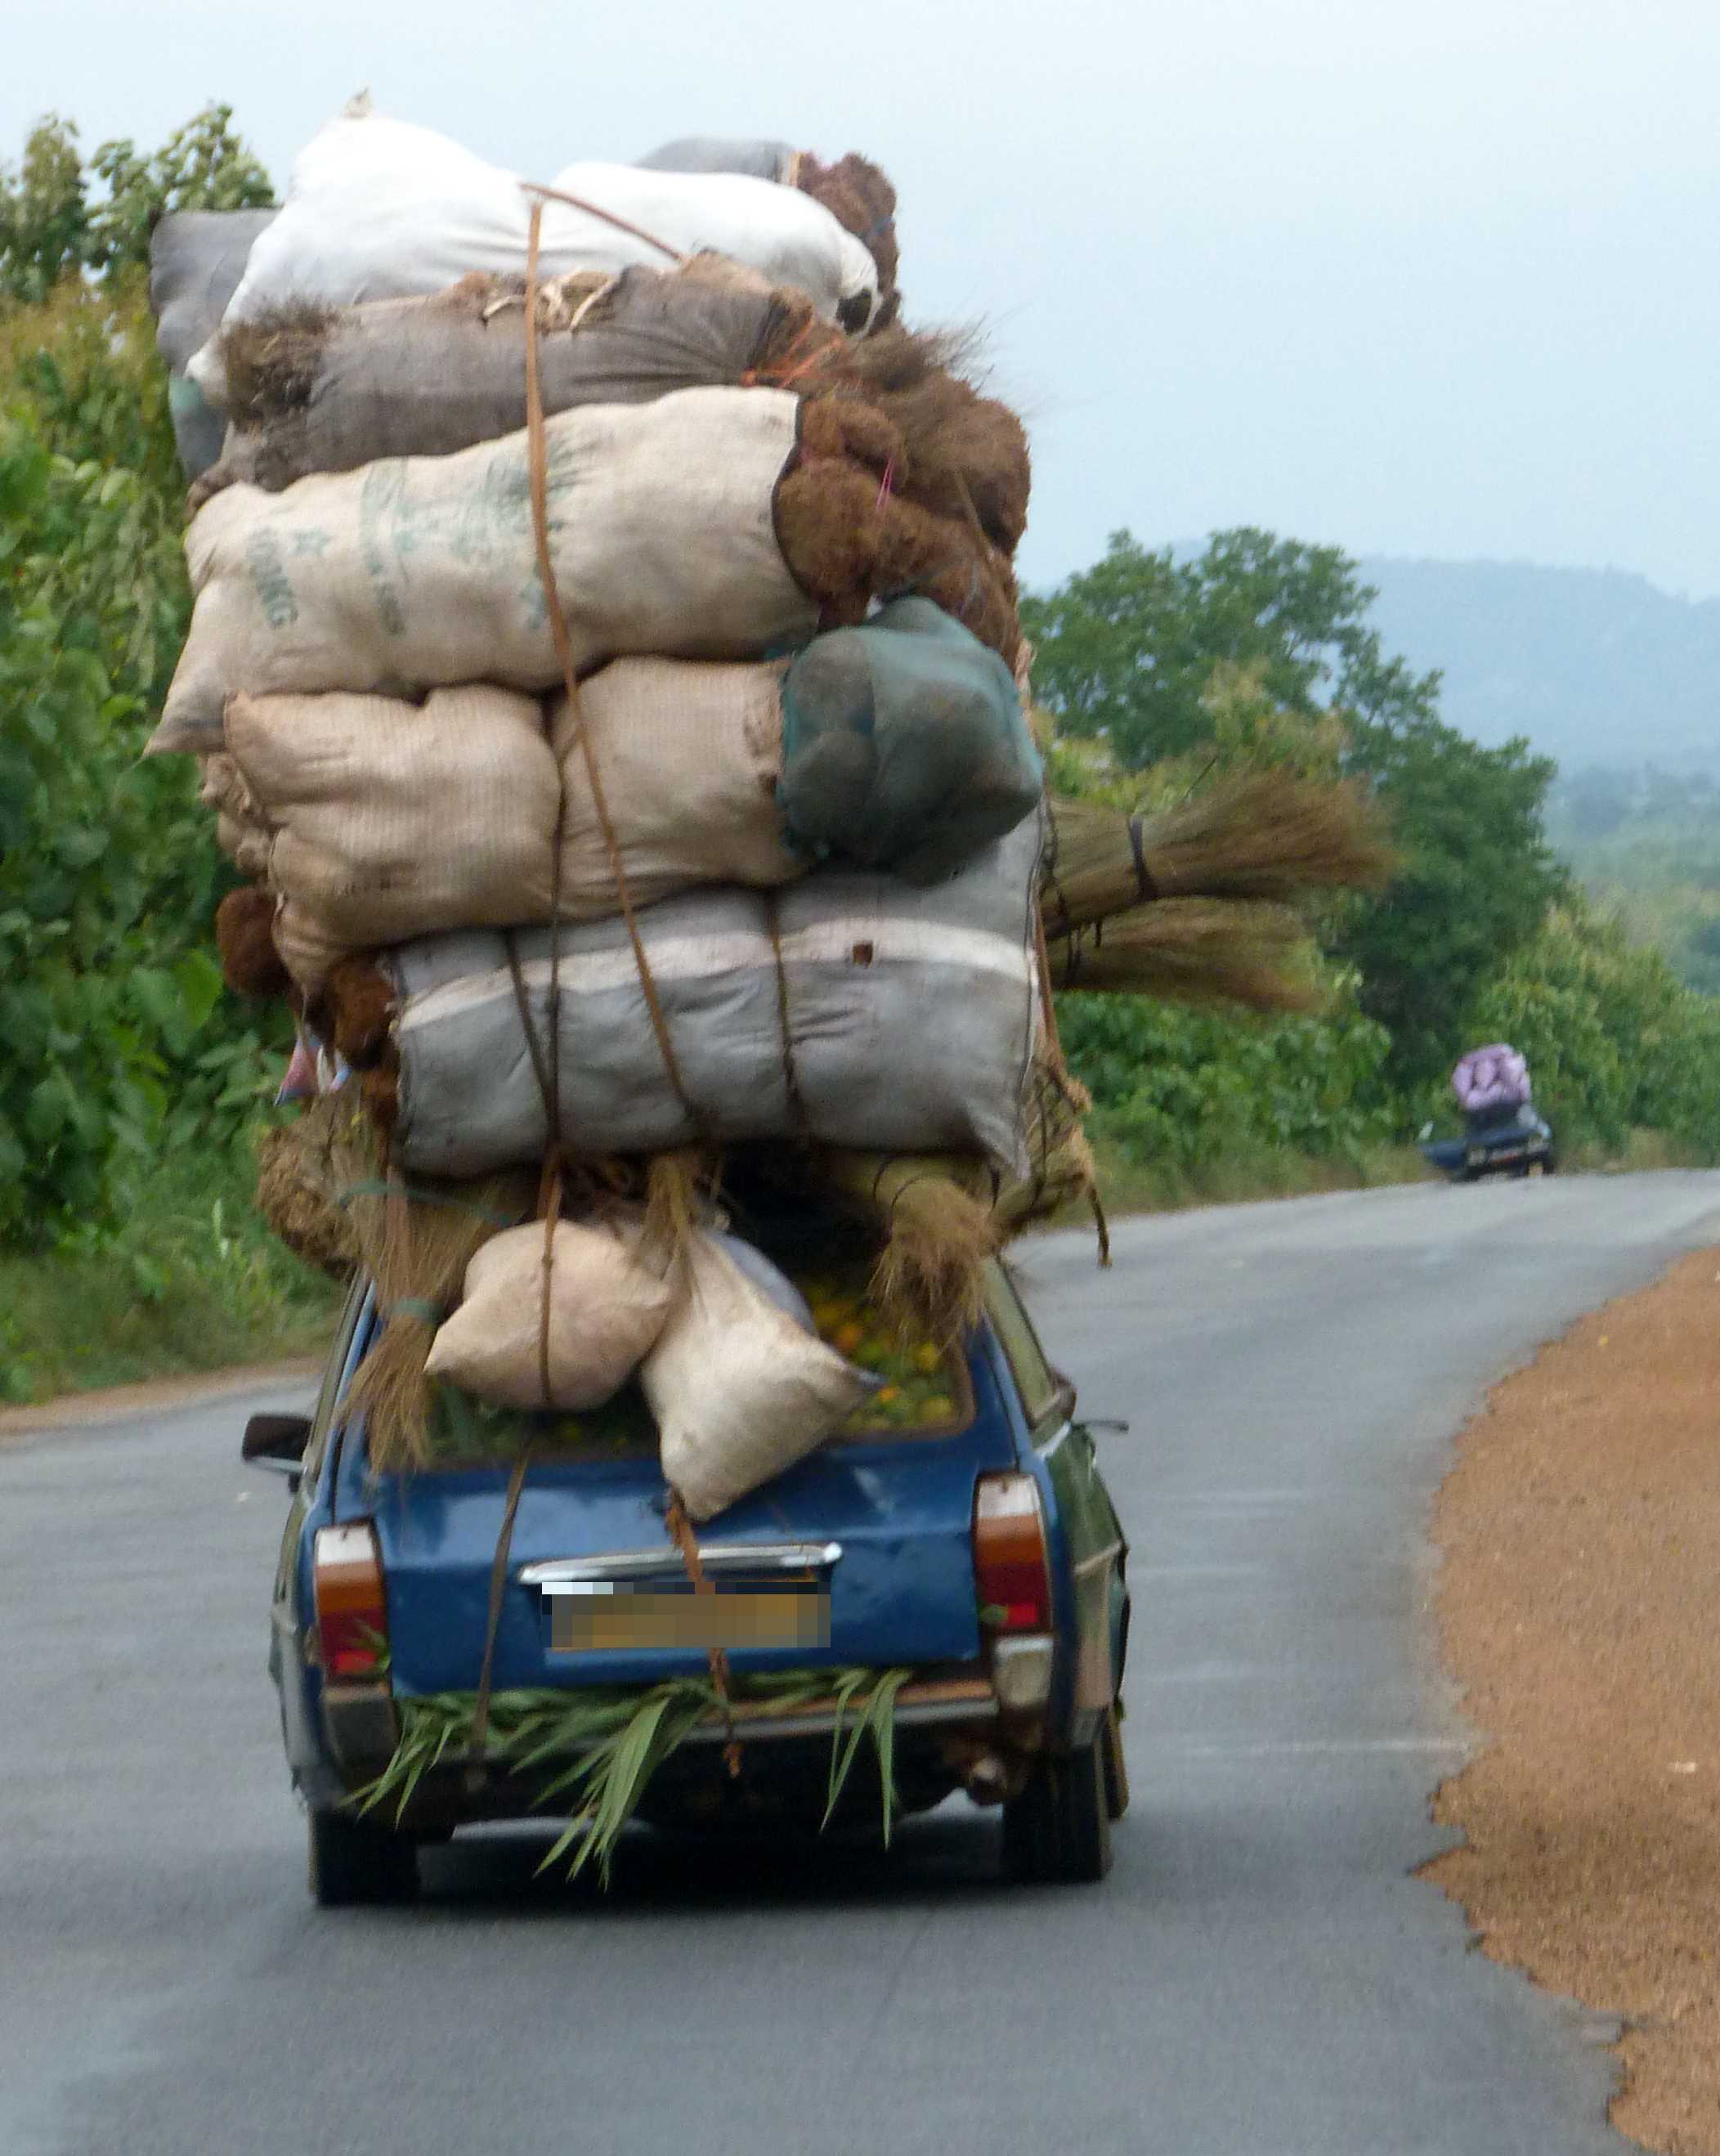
1266, 835
299, 1185
1195, 951
415, 1241
1063, 1173
938, 1231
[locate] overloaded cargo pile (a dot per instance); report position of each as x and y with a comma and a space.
605, 666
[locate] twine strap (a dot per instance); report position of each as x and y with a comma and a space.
592, 209
791, 1077
537, 459
498, 1589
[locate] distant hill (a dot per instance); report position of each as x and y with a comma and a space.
1595, 666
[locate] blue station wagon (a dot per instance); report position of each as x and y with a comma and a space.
978, 1558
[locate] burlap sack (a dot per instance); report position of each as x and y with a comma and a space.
606, 1310
740, 1392
849, 1008
377, 820
331, 390
421, 571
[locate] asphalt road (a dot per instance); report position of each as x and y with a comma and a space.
1262, 1975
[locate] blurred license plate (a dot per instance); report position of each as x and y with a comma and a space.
633, 1617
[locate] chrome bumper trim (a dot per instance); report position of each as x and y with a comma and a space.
575, 1575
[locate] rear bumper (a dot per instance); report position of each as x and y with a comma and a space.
951, 1732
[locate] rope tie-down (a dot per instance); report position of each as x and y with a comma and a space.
545, 1055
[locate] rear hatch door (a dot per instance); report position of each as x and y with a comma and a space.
871, 1538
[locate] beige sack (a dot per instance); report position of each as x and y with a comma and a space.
605, 1310
739, 1391
689, 755
421, 571
377, 820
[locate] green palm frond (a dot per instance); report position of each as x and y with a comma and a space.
606, 1743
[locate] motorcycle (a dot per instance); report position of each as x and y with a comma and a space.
1516, 1142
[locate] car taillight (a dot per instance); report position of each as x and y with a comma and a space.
351, 1610
1011, 1565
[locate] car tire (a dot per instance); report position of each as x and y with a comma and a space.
355, 1862
1057, 1832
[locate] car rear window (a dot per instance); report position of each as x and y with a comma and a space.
1038, 1383
926, 1391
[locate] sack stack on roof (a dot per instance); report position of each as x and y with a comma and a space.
604, 662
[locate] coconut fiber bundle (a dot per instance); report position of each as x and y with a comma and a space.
964, 455
848, 533
1268, 834
1061, 1174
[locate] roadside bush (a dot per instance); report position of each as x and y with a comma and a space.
116, 1043
1181, 1088
1614, 1040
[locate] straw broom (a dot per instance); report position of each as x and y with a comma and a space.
1063, 1173
938, 1231
415, 1242
1266, 835
1193, 951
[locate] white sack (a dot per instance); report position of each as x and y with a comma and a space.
739, 1392
380, 210
605, 1311
421, 571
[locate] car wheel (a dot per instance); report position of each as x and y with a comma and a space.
354, 1861
1057, 1832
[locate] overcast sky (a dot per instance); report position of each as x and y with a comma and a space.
1429, 278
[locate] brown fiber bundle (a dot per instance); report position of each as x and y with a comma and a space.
1193, 951
857, 195
1267, 835
415, 1241
353, 1010
299, 1185
849, 537
244, 942
938, 1231
965, 455
1062, 1173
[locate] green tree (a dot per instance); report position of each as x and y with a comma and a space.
204, 165
1125, 651
57, 215
1475, 881
44, 218
1257, 649
1615, 1042
116, 1044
